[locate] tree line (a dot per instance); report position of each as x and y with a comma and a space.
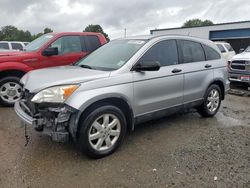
12, 33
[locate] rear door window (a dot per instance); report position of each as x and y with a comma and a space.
164, 52
91, 42
211, 54
4, 45
191, 51
16, 46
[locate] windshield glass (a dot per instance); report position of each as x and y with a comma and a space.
248, 49
38, 43
112, 56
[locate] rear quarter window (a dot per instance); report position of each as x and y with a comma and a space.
211, 54
91, 43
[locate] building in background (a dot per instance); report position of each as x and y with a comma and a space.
235, 33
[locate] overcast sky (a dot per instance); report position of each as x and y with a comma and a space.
137, 16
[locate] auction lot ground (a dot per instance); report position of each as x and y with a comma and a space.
183, 150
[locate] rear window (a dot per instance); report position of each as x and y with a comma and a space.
222, 49
211, 54
92, 43
4, 45
16, 46
192, 51
229, 47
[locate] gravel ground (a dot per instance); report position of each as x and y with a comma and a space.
183, 150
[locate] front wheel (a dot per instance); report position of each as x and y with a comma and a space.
102, 131
212, 101
10, 90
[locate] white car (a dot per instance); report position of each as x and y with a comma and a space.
13, 45
226, 49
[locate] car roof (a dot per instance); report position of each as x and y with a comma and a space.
74, 33
171, 36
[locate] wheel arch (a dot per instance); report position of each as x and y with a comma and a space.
219, 83
12, 72
119, 102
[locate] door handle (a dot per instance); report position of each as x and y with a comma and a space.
176, 70
208, 66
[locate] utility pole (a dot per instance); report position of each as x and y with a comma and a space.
125, 32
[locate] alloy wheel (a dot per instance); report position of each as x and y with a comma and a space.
104, 132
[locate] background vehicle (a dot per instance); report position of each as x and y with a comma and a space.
239, 67
226, 50
13, 45
125, 82
53, 49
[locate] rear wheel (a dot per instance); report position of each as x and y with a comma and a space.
102, 131
212, 101
10, 90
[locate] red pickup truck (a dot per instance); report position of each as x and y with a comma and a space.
52, 49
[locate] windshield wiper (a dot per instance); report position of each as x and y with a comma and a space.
86, 66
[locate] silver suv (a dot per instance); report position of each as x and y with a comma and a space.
125, 82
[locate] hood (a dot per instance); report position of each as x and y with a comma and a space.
243, 56
6, 56
37, 80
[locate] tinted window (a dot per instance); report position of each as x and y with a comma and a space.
92, 43
67, 44
222, 50
211, 54
229, 47
4, 45
16, 46
192, 51
165, 52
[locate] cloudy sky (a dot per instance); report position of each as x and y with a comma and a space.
137, 16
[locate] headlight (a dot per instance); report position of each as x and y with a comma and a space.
56, 94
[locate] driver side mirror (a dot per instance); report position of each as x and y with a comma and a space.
147, 66
50, 51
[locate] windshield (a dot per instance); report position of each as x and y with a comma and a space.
248, 49
38, 43
112, 56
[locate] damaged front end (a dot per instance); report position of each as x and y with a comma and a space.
49, 118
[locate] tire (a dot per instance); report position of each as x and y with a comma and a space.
212, 102
10, 90
95, 140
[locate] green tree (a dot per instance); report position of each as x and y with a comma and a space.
197, 22
11, 33
47, 30
97, 29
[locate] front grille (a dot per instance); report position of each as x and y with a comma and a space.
238, 65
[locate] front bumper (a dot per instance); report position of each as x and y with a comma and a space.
52, 121
243, 77
25, 117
